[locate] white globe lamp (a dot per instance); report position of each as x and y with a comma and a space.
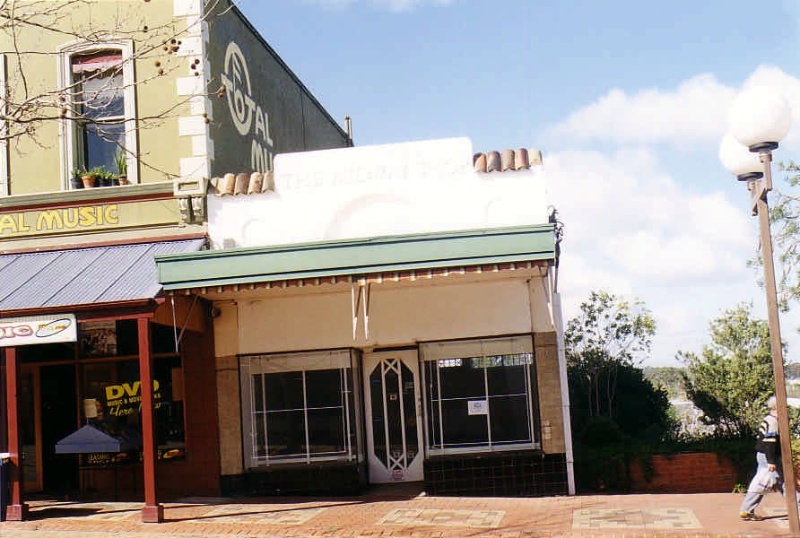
739, 160
759, 118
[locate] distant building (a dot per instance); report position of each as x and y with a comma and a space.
690, 417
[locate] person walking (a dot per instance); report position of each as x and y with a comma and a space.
769, 471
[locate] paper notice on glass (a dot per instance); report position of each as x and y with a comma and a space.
477, 407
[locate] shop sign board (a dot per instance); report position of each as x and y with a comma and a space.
86, 218
25, 331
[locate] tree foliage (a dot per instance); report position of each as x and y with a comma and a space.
605, 344
606, 334
731, 379
610, 327
785, 215
670, 378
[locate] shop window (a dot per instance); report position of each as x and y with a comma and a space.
299, 407
111, 395
479, 395
99, 126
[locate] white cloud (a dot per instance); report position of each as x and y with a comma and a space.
695, 112
633, 230
643, 223
396, 6
623, 209
579, 275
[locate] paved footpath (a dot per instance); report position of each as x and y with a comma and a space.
382, 514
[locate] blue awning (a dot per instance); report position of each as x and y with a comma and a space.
90, 439
84, 276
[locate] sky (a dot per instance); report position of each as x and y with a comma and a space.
627, 101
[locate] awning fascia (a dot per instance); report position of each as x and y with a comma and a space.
94, 312
359, 257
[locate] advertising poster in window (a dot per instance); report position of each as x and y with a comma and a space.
113, 404
98, 339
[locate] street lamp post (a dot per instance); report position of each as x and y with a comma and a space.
759, 119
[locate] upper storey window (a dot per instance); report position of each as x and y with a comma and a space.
100, 107
99, 133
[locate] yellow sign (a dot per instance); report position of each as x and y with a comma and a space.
126, 398
85, 218
50, 220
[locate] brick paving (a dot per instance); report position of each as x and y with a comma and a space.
387, 514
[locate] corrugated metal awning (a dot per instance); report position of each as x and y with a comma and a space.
85, 276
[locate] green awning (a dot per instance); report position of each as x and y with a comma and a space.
358, 257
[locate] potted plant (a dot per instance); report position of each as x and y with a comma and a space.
89, 177
107, 179
121, 161
77, 174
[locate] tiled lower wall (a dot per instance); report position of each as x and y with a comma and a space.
322, 479
519, 474
512, 474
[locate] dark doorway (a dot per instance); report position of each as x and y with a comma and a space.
59, 418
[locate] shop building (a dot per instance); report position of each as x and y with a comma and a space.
385, 314
109, 386
152, 91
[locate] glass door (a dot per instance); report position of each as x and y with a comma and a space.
30, 428
394, 420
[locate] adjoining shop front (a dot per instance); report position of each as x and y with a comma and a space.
90, 346
429, 357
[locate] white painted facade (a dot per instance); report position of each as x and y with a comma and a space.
370, 191
396, 189
399, 314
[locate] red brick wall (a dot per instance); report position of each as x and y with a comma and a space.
699, 472
198, 474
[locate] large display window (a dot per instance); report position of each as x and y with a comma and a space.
112, 396
479, 395
96, 382
299, 407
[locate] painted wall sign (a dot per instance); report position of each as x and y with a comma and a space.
375, 167
369, 191
70, 218
248, 116
38, 330
82, 218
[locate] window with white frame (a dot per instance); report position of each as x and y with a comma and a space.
299, 407
479, 395
99, 130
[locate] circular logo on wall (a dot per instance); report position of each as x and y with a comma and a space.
236, 79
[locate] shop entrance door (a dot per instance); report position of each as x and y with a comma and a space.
59, 418
394, 418
30, 427
47, 414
